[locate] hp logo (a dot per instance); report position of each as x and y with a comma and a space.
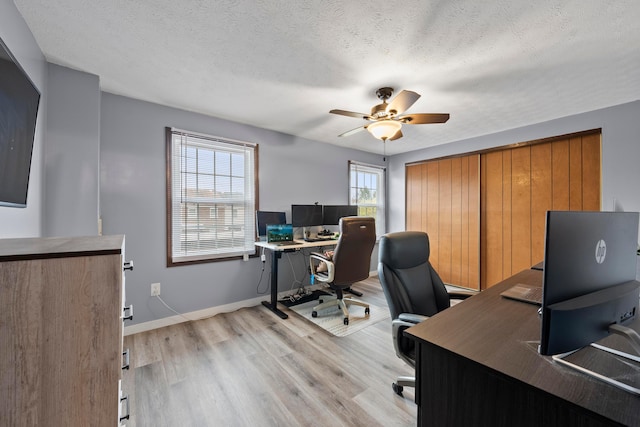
601, 251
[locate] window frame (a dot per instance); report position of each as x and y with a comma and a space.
381, 202
251, 203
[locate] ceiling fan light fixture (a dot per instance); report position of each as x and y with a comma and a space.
384, 129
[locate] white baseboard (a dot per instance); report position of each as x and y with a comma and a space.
208, 312
194, 315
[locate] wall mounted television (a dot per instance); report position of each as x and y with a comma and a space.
19, 101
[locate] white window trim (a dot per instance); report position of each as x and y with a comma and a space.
176, 197
380, 171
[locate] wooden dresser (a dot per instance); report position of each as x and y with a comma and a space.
61, 325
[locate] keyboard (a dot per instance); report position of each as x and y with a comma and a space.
319, 239
285, 243
524, 293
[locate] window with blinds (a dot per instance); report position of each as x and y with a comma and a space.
367, 190
211, 197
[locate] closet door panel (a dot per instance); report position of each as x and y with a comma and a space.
449, 204
591, 173
541, 197
560, 173
414, 195
444, 225
433, 209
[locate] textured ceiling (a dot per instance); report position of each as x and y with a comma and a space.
282, 65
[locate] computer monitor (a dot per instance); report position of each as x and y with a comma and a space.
331, 214
588, 277
306, 215
268, 217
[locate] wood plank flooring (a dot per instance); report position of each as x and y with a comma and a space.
251, 368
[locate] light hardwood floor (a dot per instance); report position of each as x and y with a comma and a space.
250, 368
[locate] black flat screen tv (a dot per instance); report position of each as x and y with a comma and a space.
19, 101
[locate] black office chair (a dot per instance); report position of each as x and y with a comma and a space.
413, 289
350, 263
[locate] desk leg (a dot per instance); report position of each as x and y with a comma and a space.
273, 305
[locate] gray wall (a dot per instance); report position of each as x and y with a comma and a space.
133, 199
620, 155
26, 222
72, 154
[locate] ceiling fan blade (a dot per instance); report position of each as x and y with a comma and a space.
350, 114
424, 118
352, 131
398, 135
402, 102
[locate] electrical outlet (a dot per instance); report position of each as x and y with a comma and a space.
155, 289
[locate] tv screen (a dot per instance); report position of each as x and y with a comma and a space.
306, 215
588, 277
19, 100
331, 214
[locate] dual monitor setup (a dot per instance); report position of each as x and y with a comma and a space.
273, 226
589, 285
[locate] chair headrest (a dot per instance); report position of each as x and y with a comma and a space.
404, 249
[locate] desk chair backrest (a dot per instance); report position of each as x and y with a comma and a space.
352, 255
410, 283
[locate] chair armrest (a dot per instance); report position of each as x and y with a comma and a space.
413, 319
462, 294
315, 259
319, 256
402, 345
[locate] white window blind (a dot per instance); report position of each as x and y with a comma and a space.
367, 190
211, 197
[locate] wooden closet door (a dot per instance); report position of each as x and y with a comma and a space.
519, 185
443, 201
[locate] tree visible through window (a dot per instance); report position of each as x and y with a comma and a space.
367, 191
211, 193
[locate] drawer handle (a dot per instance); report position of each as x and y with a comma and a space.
126, 400
128, 266
125, 354
127, 310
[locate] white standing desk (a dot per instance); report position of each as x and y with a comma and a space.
276, 254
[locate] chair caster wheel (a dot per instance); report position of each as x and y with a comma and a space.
346, 320
314, 314
397, 389
366, 311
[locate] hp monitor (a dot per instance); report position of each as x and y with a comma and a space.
589, 286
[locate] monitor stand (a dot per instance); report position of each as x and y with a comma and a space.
628, 333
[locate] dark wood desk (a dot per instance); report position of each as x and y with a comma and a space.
477, 365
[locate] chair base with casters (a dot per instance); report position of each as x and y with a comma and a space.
401, 383
342, 303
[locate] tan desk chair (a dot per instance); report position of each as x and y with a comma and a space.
350, 262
